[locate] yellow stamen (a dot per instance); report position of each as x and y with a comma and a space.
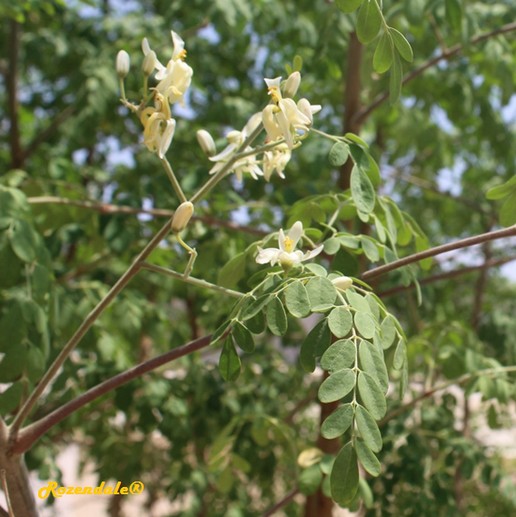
182, 55
288, 244
275, 94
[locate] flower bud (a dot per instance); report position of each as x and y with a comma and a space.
292, 84
342, 282
123, 64
182, 216
149, 62
206, 142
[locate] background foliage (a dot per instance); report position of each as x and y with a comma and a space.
230, 448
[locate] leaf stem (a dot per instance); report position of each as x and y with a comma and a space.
172, 177
191, 280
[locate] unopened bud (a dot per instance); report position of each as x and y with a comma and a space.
182, 216
292, 84
342, 282
206, 142
123, 63
149, 62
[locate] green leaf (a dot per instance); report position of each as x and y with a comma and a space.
229, 362
337, 385
256, 324
388, 331
217, 335
357, 301
344, 476
340, 321
362, 190
315, 344
310, 479
276, 317
368, 458
321, 293
339, 355
364, 161
373, 363
395, 80
365, 324
24, 240
356, 139
296, 300
384, 54
242, 337
331, 246
368, 429
339, 153
13, 363
338, 422
254, 307
399, 355
233, 271
369, 21
454, 14
348, 6
370, 248
402, 45
371, 395
500, 191
508, 211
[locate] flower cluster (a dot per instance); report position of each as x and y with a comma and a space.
172, 82
285, 123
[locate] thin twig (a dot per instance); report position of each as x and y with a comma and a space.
446, 276
365, 112
28, 435
84, 327
283, 502
432, 252
106, 208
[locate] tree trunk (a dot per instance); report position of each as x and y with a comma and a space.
15, 480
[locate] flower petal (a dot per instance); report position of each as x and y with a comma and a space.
313, 253
295, 233
268, 255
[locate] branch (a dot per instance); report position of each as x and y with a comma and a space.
448, 54
84, 327
106, 208
280, 504
432, 252
12, 95
28, 435
447, 275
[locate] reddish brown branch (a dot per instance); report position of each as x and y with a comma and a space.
447, 275
362, 115
432, 252
280, 504
106, 208
28, 435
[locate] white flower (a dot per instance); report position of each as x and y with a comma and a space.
276, 160
247, 164
182, 216
158, 126
175, 78
287, 255
342, 282
284, 118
